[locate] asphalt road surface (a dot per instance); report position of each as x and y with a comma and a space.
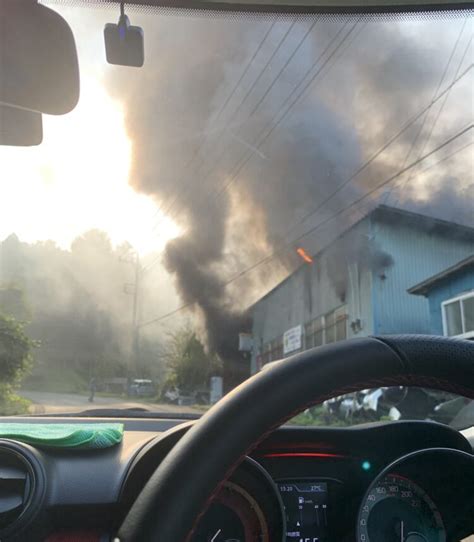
56, 403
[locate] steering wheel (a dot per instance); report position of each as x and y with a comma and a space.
179, 492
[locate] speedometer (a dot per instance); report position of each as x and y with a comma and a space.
395, 509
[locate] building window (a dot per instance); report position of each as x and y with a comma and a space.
327, 329
314, 332
341, 323
273, 350
276, 349
458, 316
266, 354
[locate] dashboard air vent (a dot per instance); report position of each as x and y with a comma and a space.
18, 484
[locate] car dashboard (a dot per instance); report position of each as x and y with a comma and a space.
409, 481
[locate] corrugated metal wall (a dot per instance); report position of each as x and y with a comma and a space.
417, 255
454, 285
379, 299
309, 293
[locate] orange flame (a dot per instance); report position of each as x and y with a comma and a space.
306, 257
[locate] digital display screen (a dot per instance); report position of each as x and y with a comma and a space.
306, 508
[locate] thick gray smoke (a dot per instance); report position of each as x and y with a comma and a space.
186, 148
355, 248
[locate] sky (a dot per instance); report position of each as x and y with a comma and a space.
78, 178
81, 177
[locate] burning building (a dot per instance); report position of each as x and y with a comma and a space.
357, 286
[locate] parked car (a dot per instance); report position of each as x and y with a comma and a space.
142, 387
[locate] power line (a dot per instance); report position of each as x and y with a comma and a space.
447, 157
384, 183
283, 68
307, 33
440, 110
327, 220
264, 69
301, 82
384, 147
206, 139
234, 114
249, 91
405, 127
404, 169
258, 144
219, 113
167, 315
244, 73
428, 138
295, 90
332, 217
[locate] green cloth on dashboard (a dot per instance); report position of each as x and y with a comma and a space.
65, 435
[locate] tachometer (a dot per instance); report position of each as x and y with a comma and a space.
395, 509
234, 516
248, 508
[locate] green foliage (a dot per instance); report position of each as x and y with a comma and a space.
15, 350
10, 403
77, 307
189, 365
316, 416
15, 361
12, 302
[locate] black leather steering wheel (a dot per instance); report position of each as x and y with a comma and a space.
179, 492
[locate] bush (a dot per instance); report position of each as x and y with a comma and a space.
15, 361
10, 403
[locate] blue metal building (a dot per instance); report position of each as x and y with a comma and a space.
358, 285
450, 296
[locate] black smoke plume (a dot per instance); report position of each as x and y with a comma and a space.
187, 147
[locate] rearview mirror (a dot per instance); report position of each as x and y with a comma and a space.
19, 127
38, 60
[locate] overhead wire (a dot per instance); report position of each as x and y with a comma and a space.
420, 131
165, 211
438, 115
328, 219
379, 151
234, 114
405, 127
305, 36
291, 105
264, 69
295, 89
194, 155
448, 156
249, 91
404, 169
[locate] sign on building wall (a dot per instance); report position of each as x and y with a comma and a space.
292, 339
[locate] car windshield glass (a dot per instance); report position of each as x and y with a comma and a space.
259, 187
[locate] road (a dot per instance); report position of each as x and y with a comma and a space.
55, 403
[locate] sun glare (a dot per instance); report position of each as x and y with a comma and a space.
78, 179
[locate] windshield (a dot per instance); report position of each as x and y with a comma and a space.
261, 186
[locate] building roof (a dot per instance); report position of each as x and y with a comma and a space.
426, 222
391, 215
424, 287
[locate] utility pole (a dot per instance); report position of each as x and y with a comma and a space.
136, 328
133, 289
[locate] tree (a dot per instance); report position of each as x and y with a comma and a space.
189, 365
15, 360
